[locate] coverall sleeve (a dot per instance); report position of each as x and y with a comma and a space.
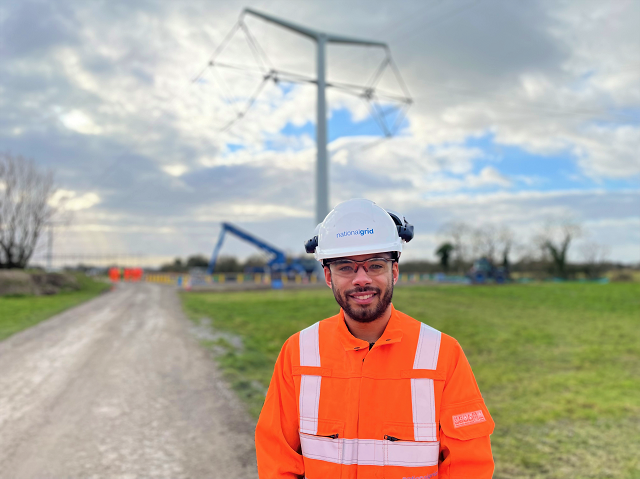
277, 440
465, 425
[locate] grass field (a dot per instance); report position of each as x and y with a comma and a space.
558, 364
21, 312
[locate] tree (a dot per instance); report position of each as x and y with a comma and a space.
484, 242
554, 242
176, 267
505, 244
228, 264
197, 261
25, 194
444, 252
458, 234
594, 256
255, 261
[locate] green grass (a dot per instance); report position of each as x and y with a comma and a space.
21, 312
558, 364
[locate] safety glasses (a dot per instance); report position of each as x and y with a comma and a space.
347, 268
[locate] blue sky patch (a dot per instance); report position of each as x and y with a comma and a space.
533, 171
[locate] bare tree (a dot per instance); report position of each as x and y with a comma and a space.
484, 242
554, 241
506, 242
25, 192
593, 256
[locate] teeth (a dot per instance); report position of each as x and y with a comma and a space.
366, 296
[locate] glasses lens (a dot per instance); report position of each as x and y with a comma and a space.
376, 266
344, 268
348, 269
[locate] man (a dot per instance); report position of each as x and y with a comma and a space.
371, 392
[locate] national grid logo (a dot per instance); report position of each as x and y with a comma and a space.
355, 233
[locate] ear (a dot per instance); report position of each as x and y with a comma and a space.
327, 276
395, 271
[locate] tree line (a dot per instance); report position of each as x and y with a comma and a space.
545, 253
26, 208
224, 264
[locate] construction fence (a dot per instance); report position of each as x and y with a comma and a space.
187, 281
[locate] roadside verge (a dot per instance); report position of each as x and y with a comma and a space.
19, 312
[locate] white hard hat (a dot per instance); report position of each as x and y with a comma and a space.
358, 226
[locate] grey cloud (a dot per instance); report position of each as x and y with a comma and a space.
34, 27
132, 48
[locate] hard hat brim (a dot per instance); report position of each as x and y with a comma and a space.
321, 254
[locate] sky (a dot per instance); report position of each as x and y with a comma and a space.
523, 113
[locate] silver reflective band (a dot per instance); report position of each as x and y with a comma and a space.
428, 348
310, 346
423, 401
309, 385
370, 452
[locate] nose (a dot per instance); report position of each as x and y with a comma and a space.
361, 278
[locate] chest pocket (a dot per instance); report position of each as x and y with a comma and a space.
323, 452
426, 387
403, 456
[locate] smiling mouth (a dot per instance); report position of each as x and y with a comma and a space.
363, 298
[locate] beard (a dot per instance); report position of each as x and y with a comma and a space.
364, 313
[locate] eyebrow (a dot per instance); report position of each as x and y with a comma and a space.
361, 260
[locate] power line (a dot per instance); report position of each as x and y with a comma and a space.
369, 92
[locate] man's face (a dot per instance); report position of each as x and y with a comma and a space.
363, 297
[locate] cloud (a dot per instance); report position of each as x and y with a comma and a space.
73, 201
78, 121
102, 93
487, 177
609, 152
175, 170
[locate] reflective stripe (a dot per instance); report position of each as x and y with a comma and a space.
309, 401
370, 452
428, 348
309, 385
310, 346
423, 401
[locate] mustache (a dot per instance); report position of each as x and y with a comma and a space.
366, 289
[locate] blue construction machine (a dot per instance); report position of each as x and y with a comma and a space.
276, 266
484, 271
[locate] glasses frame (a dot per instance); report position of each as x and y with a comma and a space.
358, 265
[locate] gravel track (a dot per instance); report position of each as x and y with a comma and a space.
119, 387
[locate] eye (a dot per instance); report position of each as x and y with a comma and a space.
377, 265
345, 268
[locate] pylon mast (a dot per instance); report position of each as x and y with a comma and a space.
321, 39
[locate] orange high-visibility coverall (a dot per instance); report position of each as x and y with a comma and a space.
408, 408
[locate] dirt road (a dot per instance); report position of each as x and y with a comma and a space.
118, 388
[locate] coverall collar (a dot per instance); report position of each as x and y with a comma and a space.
392, 333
